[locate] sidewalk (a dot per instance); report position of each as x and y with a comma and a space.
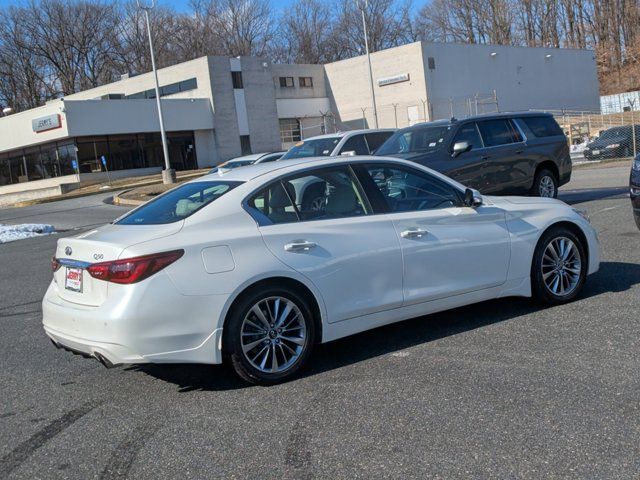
117, 185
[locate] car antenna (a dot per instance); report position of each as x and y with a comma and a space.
453, 120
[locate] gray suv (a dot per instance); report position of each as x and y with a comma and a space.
506, 153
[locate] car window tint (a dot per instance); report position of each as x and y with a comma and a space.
468, 133
375, 140
542, 126
327, 193
274, 203
423, 139
355, 144
406, 190
498, 132
177, 204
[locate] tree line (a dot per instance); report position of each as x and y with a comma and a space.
52, 48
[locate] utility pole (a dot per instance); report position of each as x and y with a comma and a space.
395, 112
168, 174
362, 5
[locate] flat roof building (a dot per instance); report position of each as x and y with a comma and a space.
216, 108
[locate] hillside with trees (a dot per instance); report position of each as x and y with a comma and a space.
52, 48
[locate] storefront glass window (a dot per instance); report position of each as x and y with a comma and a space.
90, 151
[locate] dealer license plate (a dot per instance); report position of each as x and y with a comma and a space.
73, 279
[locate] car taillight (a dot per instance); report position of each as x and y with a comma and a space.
132, 270
55, 264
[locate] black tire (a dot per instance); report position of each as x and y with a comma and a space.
541, 291
232, 341
544, 176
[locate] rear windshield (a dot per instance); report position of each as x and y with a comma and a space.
320, 147
178, 203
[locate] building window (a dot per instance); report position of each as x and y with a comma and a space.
184, 86
236, 78
245, 144
305, 82
286, 82
290, 130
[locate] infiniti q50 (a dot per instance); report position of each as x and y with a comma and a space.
236, 267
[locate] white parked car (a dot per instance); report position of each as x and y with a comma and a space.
250, 159
235, 267
350, 143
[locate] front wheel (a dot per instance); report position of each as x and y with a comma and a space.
559, 267
269, 335
545, 185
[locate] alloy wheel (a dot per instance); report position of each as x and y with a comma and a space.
547, 187
561, 266
274, 334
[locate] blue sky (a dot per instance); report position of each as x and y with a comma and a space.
181, 5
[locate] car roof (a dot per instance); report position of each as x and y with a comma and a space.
251, 172
349, 133
482, 116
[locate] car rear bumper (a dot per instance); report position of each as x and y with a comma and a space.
133, 328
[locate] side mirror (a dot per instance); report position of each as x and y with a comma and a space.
472, 198
460, 147
348, 153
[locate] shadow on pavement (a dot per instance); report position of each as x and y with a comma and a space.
580, 196
612, 277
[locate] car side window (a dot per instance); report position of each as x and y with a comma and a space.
355, 144
327, 193
498, 132
468, 133
375, 140
275, 203
406, 190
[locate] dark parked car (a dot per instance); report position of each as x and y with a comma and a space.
634, 189
616, 142
514, 153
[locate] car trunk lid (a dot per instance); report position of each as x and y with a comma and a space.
76, 254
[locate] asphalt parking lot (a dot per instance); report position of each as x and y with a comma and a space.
503, 389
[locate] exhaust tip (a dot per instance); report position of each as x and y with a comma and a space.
103, 360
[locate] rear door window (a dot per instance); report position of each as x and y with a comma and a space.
498, 132
178, 204
542, 126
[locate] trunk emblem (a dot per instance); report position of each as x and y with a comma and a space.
68, 251
98, 256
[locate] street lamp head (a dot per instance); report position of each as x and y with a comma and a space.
142, 5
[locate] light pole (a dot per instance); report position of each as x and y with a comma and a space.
168, 174
362, 5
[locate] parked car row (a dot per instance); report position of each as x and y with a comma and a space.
253, 266
510, 153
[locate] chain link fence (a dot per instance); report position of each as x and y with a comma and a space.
597, 137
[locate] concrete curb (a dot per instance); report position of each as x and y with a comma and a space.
106, 190
128, 202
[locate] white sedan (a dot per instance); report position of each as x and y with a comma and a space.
256, 265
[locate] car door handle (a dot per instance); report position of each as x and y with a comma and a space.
299, 247
414, 233
485, 157
518, 152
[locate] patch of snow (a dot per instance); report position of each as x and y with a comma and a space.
11, 233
